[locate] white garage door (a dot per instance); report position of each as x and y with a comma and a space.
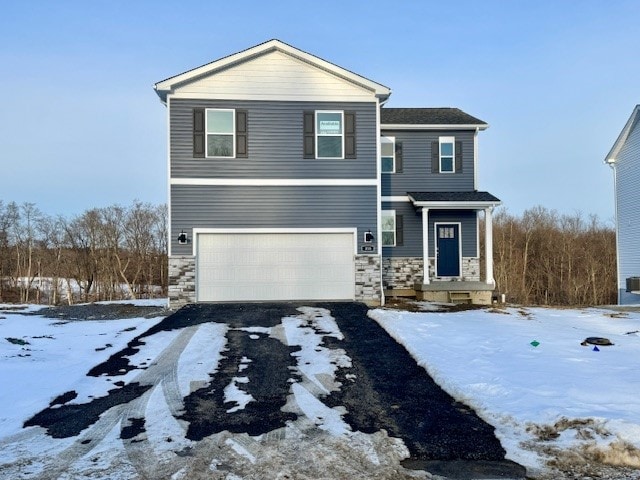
275, 266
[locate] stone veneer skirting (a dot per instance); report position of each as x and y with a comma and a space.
402, 273
368, 288
182, 281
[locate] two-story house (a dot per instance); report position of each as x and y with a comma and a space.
289, 181
624, 159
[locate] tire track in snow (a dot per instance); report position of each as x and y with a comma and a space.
162, 370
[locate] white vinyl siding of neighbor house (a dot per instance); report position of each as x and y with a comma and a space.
274, 76
628, 213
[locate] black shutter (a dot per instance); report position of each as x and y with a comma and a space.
349, 135
309, 135
398, 157
198, 133
458, 157
399, 231
241, 134
435, 157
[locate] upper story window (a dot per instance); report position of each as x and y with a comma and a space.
329, 134
388, 154
388, 228
447, 154
220, 131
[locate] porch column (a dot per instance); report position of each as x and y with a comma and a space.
488, 244
425, 245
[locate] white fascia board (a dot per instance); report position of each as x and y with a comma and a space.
267, 97
169, 84
278, 182
398, 126
622, 138
457, 205
396, 199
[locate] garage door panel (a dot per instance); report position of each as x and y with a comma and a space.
287, 266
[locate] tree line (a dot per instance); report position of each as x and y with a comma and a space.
542, 257
105, 253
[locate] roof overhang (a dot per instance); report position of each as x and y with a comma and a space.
167, 86
477, 201
393, 126
612, 156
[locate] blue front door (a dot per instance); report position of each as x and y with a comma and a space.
448, 253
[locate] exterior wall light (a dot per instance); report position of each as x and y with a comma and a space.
182, 238
368, 236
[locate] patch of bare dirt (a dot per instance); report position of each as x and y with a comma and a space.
594, 454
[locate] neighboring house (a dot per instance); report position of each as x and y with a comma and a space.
288, 181
624, 159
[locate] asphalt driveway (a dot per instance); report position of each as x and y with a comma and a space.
369, 379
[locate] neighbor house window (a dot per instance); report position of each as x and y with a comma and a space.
329, 134
388, 154
447, 154
221, 130
388, 228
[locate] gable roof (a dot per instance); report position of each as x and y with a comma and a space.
411, 118
624, 134
166, 86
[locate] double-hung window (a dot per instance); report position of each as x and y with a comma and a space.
220, 132
387, 154
329, 134
447, 147
388, 224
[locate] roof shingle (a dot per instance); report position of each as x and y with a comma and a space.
427, 116
473, 196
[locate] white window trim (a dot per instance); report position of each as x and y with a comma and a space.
435, 246
451, 140
392, 141
207, 132
318, 134
395, 227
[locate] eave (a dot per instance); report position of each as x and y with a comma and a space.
612, 156
393, 126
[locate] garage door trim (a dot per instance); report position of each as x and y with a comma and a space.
197, 232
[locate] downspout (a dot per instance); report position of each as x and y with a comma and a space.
379, 196
612, 164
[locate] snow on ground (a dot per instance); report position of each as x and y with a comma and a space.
54, 359
526, 372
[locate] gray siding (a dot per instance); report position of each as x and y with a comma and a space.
412, 223
628, 220
417, 176
275, 142
270, 207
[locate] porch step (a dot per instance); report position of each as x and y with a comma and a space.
460, 297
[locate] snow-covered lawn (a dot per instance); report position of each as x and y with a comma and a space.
525, 371
41, 358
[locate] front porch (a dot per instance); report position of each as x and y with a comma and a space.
449, 269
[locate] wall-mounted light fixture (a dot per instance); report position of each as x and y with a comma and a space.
368, 236
182, 238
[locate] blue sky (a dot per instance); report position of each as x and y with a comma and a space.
81, 127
